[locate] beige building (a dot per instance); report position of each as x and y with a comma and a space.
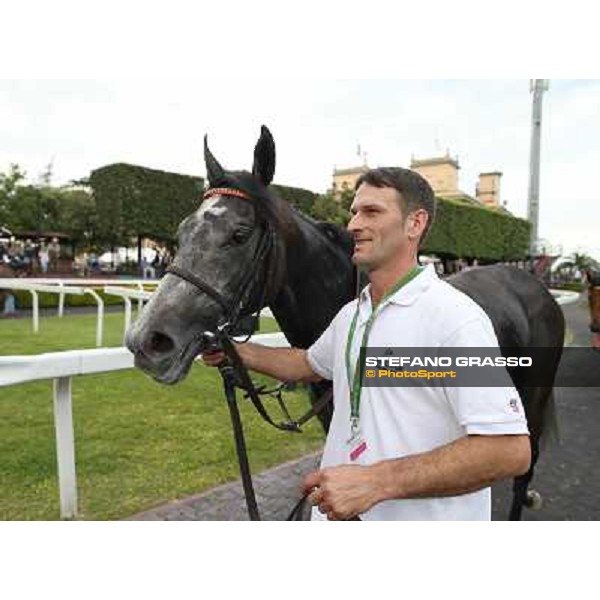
347, 178
488, 189
442, 175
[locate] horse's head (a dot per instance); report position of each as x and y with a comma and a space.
228, 264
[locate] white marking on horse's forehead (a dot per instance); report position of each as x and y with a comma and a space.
216, 205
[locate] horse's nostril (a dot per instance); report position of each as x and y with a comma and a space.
160, 343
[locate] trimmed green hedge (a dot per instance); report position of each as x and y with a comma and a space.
132, 200
463, 230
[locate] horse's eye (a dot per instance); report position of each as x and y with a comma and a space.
240, 235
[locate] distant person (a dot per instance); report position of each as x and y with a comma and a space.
53, 254
80, 264
93, 263
44, 257
29, 255
3, 253
157, 264
8, 300
148, 271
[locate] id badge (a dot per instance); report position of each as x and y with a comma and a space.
356, 444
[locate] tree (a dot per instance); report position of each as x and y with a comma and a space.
333, 208
78, 218
9, 184
43, 208
584, 262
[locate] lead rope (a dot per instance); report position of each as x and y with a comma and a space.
234, 373
228, 375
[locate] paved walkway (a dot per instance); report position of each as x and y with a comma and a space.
277, 491
568, 473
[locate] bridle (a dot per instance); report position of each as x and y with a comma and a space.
233, 370
233, 310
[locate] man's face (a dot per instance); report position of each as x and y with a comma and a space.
378, 227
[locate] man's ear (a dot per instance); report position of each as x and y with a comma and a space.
416, 222
264, 157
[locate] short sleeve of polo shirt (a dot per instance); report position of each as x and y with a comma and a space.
484, 410
321, 355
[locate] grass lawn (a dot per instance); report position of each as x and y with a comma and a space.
138, 443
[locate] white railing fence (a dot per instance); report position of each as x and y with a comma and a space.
62, 367
63, 287
563, 297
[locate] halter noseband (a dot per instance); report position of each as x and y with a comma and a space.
233, 309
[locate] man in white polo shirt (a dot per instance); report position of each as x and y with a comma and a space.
399, 453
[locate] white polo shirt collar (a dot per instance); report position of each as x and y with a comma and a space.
405, 296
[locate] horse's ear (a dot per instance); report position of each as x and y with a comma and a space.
264, 157
214, 171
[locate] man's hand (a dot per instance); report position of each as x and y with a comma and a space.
342, 492
463, 466
285, 364
214, 358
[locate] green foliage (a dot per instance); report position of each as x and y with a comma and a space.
463, 230
130, 201
9, 186
43, 208
26, 207
584, 262
300, 198
77, 216
134, 201
460, 229
332, 208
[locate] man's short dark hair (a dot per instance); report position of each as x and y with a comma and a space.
415, 192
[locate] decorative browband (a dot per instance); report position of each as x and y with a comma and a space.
226, 192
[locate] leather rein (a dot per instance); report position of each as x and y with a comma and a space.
233, 371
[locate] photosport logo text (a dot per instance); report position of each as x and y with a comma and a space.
473, 367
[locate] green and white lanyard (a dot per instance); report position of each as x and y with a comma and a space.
355, 378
